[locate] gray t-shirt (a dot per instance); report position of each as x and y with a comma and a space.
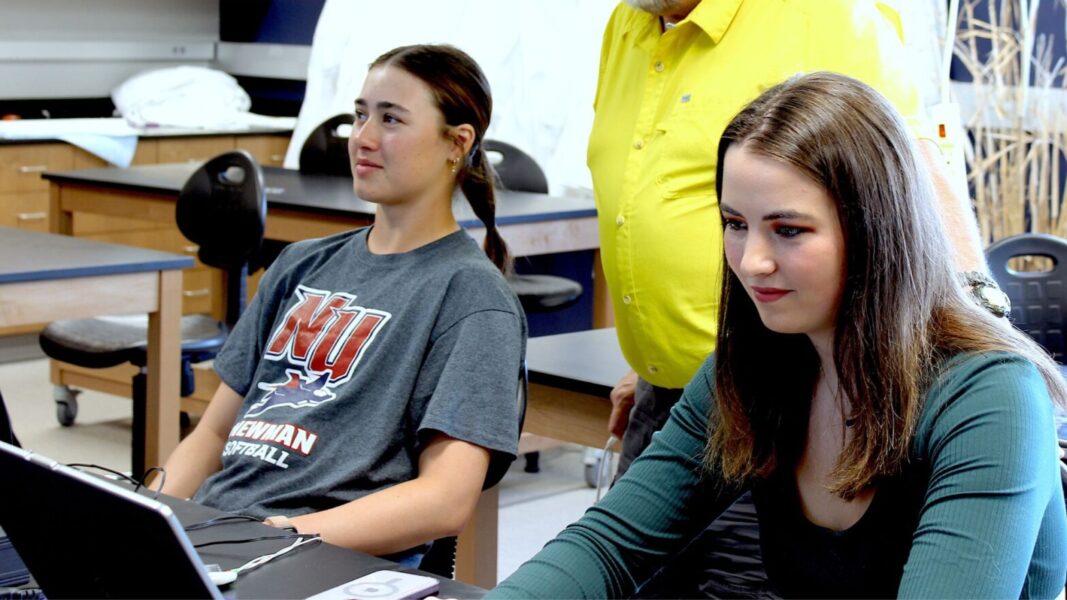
349, 360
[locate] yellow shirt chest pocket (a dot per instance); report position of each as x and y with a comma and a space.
686, 143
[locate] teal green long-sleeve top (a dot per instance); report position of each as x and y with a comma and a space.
991, 524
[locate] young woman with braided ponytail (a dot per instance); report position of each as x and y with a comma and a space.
369, 390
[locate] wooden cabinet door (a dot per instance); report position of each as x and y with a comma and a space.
25, 210
269, 150
21, 165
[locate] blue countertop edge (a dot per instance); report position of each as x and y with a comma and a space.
181, 262
534, 218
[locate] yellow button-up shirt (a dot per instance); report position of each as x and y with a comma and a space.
663, 99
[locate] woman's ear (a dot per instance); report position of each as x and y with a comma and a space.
463, 138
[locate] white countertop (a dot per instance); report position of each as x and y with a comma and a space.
50, 129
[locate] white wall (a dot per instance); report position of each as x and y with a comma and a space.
84, 48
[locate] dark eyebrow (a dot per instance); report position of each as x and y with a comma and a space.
786, 214
774, 216
383, 105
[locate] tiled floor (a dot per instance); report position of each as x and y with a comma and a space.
533, 507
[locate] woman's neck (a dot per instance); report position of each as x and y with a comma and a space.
826, 396
405, 227
823, 342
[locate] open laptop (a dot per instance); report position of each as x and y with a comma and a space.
83, 537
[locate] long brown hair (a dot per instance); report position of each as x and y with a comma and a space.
903, 310
462, 94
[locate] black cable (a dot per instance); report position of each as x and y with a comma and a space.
137, 484
162, 480
220, 521
102, 468
291, 536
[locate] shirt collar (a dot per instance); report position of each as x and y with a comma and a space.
714, 17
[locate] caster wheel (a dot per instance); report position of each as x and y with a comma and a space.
66, 404
533, 462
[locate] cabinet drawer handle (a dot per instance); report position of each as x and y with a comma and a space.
33, 168
277, 157
32, 216
190, 249
197, 293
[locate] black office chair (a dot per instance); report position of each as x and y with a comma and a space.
325, 151
222, 208
440, 559
1038, 298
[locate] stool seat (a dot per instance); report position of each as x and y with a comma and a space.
543, 293
108, 341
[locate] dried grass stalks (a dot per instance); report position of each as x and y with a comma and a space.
1020, 131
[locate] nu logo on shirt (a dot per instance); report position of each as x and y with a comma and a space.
326, 333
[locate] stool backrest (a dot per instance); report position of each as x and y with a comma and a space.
1038, 298
326, 149
515, 169
223, 209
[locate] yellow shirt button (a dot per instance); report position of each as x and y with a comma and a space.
659, 67
619, 220
638, 144
627, 299
653, 369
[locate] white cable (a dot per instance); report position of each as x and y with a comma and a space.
262, 560
607, 457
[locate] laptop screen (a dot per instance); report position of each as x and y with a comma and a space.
83, 537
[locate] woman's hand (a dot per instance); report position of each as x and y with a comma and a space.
622, 401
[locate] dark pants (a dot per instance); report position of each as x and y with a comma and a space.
723, 560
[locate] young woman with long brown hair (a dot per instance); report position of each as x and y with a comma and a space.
897, 437
370, 388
